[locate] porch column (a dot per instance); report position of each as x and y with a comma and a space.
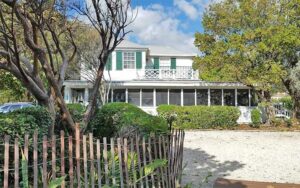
126, 95
154, 97
222, 97
235, 97
208, 96
249, 95
112, 95
181, 97
67, 94
86, 95
168, 96
195, 97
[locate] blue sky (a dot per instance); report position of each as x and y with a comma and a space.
168, 22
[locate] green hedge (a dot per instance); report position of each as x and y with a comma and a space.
125, 120
25, 121
201, 117
255, 117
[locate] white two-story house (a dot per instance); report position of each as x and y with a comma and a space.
149, 76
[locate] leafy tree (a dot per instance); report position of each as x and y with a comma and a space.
255, 42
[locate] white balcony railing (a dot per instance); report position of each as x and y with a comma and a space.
166, 73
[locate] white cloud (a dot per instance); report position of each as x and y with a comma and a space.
188, 8
155, 25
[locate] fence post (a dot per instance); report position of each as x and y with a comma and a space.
85, 161
71, 173
92, 160
112, 149
120, 162
17, 157
6, 160
45, 147
98, 163
62, 156
53, 162
77, 139
105, 160
35, 159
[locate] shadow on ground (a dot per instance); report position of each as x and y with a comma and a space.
201, 169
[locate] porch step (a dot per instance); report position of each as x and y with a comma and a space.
228, 183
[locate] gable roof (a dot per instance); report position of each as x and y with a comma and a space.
168, 51
154, 50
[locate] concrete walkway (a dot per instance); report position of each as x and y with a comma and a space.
241, 155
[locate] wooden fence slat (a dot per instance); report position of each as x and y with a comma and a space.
26, 143
165, 157
99, 163
120, 162
134, 178
139, 159
126, 162
16, 160
145, 162
105, 160
91, 143
158, 172
6, 161
62, 156
45, 148
53, 162
71, 172
113, 166
150, 160
161, 157
35, 159
77, 137
85, 161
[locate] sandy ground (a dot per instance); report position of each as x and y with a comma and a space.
241, 155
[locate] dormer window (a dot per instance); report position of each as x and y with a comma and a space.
129, 60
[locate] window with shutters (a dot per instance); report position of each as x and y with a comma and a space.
129, 60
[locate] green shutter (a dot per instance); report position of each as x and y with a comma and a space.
108, 65
119, 60
138, 60
156, 62
173, 63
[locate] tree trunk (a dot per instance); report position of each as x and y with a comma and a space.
91, 109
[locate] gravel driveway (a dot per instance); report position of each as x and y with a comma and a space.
244, 155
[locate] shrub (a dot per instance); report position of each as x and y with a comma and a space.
77, 111
199, 117
125, 120
255, 118
25, 121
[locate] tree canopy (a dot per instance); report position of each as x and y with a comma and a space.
255, 42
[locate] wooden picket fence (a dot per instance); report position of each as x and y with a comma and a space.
84, 161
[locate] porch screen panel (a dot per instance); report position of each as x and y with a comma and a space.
119, 95
147, 97
243, 97
161, 96
215, 97
202, 96
134, 96
189, 97
229, 97
175, 96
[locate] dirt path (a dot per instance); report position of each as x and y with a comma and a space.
254, 156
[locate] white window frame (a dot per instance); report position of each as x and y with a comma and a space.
123, 59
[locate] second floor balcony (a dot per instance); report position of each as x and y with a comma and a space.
166, 73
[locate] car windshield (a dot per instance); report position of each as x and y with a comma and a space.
14, 107
4, 108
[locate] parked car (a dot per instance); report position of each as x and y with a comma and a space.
10, 107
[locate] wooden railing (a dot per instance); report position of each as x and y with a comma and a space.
85, 161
